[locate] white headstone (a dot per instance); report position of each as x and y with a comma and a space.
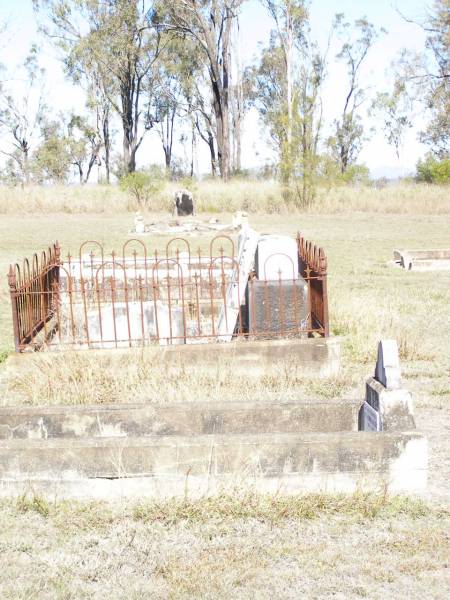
235, 295
139, 225
277, 258
387, 370
240, 219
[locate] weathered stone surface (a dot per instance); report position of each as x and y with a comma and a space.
139, 225
125, 420
203, 464
319, 357
183, 203
423, 260
276, 258
369, 418
116, 324
395, 406
387, 370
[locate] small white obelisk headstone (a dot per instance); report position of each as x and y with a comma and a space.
139, 225
387, 370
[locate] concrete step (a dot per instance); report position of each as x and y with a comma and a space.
162, 466
125, 420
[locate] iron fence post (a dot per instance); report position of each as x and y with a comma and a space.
12, 283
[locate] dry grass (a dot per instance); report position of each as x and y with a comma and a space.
86, 378
258, 197
257, 547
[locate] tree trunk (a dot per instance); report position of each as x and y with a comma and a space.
129, 155
167, 158
26, 163
238, 102
209, 139
93, 159
130, 116
212, 152
288, 50
221, 113
107, 144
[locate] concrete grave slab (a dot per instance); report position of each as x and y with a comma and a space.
165, 466
423, 260
193, 418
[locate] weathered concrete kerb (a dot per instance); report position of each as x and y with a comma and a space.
203, 447
174, 465
308, 357
128, 420
423, 260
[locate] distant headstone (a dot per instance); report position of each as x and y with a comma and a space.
183, 203
139, 225
387, 370
240, 219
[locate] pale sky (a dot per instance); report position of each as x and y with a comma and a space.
255, 26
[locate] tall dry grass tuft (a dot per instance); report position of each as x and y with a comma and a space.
215, 196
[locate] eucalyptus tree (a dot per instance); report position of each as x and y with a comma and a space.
287, 93
428, 78
22, 112
357, 41
209, 23
421, 85
52, 161
83, 145
290, 18
120, 41
94, 83
394, 111
437, 134
178, 70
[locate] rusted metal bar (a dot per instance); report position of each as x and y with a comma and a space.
12, 284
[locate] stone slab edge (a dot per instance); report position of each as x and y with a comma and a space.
318, 356
302, 462
191, 418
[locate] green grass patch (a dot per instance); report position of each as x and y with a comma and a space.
273, 509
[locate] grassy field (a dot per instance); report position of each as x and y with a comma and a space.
252, 548
294, 548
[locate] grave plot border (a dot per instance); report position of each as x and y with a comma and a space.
71, 302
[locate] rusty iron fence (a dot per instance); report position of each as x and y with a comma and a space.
135, 298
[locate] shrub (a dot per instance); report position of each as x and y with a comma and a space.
142, 185
356, 174
432, 170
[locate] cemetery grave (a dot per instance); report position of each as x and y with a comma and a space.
204, 448
265, 287
422, 260
188, 225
